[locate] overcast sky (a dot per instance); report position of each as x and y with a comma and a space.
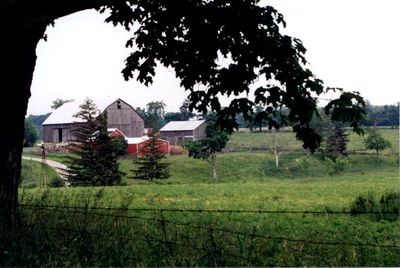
350, 44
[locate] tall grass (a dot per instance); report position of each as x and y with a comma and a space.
58, 230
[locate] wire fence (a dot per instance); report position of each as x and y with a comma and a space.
259, 211
109, 236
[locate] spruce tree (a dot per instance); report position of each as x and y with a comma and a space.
150, 165
336, 142
96, 163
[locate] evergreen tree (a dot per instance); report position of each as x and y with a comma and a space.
336, 142
120, 145
96, 163
150, 165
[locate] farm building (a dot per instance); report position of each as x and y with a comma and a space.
176, 132
136, 144
120, 115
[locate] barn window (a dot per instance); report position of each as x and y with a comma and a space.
118, 104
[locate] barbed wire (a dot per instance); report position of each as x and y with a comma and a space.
260, 211
279, 238
162, 220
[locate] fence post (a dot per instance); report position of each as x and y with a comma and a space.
216, 254
165, 236
252, 246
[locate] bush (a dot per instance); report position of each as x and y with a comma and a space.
388, 208
56, 182
364, 204
339, 165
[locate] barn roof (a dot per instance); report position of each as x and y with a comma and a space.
65, 113
182, 125
137, 140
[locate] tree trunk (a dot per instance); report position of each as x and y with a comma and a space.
22, 25
18, 57
214, 165
276, 157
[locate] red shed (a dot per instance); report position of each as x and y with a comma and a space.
115, 132
135, 145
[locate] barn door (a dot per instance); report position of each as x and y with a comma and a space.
60, 135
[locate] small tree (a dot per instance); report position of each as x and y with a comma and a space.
276, 145
150, 165
336, 142
96, 163
207, 147
375, 141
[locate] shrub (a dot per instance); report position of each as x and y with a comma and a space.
388, 208
364, 204
56, 182
337, 166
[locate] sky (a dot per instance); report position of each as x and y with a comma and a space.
350, 44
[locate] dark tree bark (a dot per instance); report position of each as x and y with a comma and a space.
17, 62
22, 25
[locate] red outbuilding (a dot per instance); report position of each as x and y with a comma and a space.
135, 145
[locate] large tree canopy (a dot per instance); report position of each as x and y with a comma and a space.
191, 36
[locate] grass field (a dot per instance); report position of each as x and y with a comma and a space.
251, 179
255, 214
288, 140
191, 220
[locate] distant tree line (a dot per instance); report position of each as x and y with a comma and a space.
386, 115
155, 117
376, 115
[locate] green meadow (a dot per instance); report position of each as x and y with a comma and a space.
254, 214
246, 181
